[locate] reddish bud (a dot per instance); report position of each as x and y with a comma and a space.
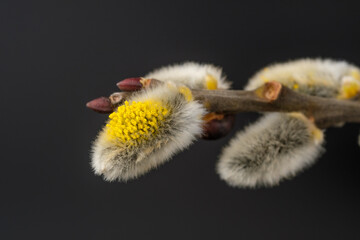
130, 84
217, 125
101, 105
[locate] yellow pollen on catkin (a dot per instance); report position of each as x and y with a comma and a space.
349, 90
317, 135
186, 92
210, 82
355, 74
135, 122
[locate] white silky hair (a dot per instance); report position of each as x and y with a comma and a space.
191, 74
179, 130
277, 146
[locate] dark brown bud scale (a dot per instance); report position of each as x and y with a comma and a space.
101, 105
130, 84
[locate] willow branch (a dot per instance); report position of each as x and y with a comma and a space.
274, 97
271, 97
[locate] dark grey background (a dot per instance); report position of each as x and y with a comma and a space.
57, 55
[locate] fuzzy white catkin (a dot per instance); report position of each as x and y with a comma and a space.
191, 74
280, 145
178, 131
277, 146
317, 77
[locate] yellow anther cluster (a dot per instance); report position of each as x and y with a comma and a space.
211, 82
136, 121
349, 89
186, 92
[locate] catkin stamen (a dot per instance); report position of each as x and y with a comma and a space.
135, 122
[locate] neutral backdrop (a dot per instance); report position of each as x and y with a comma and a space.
57, 55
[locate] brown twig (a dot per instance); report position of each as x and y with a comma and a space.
274, 97
271, 97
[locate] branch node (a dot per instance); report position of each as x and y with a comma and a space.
270, 91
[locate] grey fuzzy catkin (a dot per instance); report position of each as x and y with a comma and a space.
277, 146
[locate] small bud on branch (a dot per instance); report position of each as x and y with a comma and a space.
101, 105
130, 84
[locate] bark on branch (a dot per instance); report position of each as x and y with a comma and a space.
274, 97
